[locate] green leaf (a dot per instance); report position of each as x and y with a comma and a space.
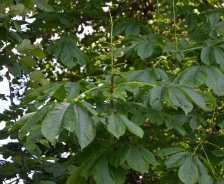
15, 69
213, 19
37, 76
178, 99
72, 89
58, 118
28, 61
43, 5
38, 52
204, 178
215, 80
218, 153
188, 172
221, 125
17, 9
103, 174
205, 161
176, 160
68, 52
119, 28
47, 182
136, 161
198, 97
33, 148
131, 126
76, 175
89, 107
85, 130
119, 156
161, 75
139, 117
142, 75
219, 56
219, 27
168, 151
115, 125
145, 50
207, 55
118, 174
91, 167
223, 164
149, 157
25, 46
157, 95
133, 28
192, 76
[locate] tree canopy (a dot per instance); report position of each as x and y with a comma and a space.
137, 98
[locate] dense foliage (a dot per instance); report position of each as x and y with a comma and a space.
137, 99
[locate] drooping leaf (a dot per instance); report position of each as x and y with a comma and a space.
89, 107
91, 167
207, 55
149, 157
145, 50
85, 130
58, 118
118, 174
103, 174
136, 161
192, 76
139, 117
115, 125
143, 76
17, 9
37, 76
25, 46
119, 28
38, 52
219, 27
204, 178
28, 61
178, 99
15, 69
119, 156
68, 52
198, 97
168, 151
176, 160
157, 95
188, 172
72, 89
215, 80
131, 126
219, 56
218, 153
32, 120
161, 75
132, 28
